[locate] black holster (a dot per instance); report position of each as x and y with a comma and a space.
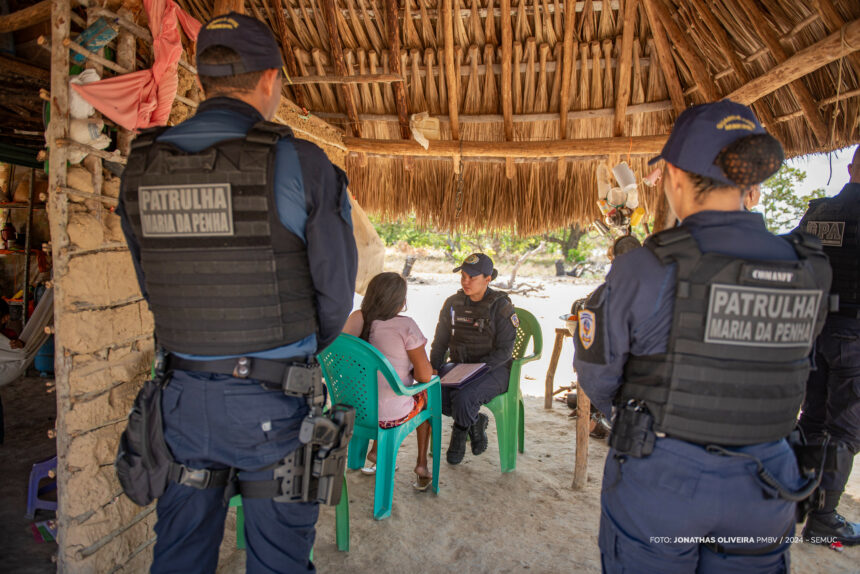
633, 431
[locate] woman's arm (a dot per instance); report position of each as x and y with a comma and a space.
421, 369
354, 323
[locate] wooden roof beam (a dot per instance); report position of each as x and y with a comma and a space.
719, 33
802, 63
798, 88
507, 73
639, 145
289, 56
451, 79
395, 62
664, 55
697, 68
833, 22
622, 96
339, 65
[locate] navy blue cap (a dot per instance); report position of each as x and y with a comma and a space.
476, 264
249, 37
701, 132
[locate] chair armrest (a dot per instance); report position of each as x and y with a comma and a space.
416, 388
529, 358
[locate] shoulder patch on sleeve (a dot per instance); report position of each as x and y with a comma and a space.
515, 320
589, 341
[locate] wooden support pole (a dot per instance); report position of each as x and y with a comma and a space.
622, 94
400, 104
451, 79
721, 36
507, 73
664, 55
698, 69
25, 17
833, 22
802, 63
287, 48
583, 427
340, 66
639, 145
126, 46
798, 88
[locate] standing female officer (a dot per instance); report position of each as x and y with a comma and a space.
476, 325
701, 341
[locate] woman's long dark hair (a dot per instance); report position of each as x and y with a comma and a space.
383, 300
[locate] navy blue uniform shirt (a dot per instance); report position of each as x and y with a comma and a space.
639, 295
312, 201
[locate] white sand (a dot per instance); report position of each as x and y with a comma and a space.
529, 520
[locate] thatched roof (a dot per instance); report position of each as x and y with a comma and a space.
593, 80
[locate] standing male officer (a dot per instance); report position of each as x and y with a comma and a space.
832, 404
242, 240
701, 341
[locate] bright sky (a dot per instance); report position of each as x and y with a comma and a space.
817, 168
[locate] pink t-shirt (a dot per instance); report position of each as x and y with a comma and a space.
393, 338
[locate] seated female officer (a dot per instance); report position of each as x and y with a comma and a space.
476, 325
700, 341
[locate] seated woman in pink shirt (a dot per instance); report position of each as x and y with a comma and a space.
401, 341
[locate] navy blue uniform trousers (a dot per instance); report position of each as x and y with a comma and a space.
832, 402
464, 403
217, 421
654, 509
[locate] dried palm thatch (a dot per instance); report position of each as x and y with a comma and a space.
572, 77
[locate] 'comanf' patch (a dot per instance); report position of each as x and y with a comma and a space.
829, 232
204, 210
761, 317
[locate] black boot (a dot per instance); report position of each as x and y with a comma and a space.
457, 447
831, 527
478, 434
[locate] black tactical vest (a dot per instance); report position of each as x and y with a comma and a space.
737, 359
473, 331
224, 276
835, 222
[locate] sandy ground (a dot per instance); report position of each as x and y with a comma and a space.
529, 520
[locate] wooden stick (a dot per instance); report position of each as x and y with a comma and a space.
92, 56
560, 334
113, 156
356, 79
802, 63
568, 58
25, 17
833, 22
664, 55
622, 95
798, 88
87, 195
507, 73
450, 72
638, 145
395, 62
822, 103
287, 48
340, 66
698, 69
125, 56
123, 22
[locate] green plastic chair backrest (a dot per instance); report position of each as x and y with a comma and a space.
529, 329
350, 366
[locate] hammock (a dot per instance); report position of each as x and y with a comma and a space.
13, 362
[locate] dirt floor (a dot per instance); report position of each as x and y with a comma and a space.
29, 415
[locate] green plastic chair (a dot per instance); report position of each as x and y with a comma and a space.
341, 520
350, 366
508, 409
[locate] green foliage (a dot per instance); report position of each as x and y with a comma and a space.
781, 205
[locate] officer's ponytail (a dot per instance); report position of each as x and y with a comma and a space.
747, 161
494, 274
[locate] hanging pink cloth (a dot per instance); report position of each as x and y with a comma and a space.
143, 99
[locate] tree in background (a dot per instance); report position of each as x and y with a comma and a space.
781, 205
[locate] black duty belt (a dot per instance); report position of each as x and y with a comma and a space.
263, 370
